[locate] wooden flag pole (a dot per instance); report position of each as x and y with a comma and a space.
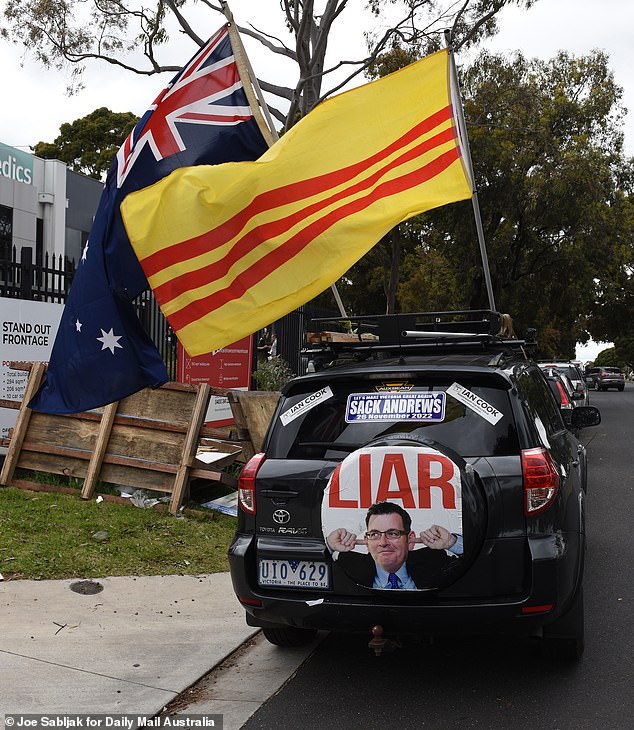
250, 83
464, 143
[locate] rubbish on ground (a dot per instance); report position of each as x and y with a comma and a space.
228, 504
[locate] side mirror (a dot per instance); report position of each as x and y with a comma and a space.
576, 395
588, 378
584, 416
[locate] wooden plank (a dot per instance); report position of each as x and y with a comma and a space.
11, 404
165, 404
21, 425
63, 464
104, 444
105, 427
241, 422
159, 446
189, 448
258, 408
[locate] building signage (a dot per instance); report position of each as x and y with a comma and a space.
229, 367
16, 165
27, 333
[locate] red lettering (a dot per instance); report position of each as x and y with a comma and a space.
334, 497
426, 482
365, 481
395, 463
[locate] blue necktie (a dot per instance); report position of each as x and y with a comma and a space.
394, 580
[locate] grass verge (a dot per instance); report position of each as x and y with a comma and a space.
56, 536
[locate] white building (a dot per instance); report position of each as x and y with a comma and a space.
44, 206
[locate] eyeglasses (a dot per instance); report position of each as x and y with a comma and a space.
390, 534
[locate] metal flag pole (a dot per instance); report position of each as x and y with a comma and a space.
464, 143
251, 85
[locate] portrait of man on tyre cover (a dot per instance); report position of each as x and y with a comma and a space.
392, 517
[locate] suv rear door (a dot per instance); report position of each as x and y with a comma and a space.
310, 436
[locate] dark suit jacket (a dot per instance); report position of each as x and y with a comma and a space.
426, 567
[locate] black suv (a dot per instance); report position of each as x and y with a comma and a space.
428, 456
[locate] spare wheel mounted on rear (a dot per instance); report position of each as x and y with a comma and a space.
424, 491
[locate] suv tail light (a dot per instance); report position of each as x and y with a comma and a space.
246, 483
563, 396
540, 480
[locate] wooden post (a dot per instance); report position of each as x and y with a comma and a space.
105, 427
189, 447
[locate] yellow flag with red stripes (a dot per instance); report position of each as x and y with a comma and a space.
230, 248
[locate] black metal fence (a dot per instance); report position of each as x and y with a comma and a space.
290, 334
50, 281
23, 278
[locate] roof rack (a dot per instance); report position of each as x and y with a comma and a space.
412, 333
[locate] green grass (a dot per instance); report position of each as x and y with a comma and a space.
50, 536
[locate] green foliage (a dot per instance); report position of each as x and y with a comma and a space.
50, 536
609, 358
624, 348
89, 144
273, 374
555, 194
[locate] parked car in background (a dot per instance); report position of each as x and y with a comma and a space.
564, 392
573, 372
603, 378
432, 443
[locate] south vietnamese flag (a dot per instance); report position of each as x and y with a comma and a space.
230, 248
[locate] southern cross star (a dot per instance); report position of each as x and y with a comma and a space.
110, 340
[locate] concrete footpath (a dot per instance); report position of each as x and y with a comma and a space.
130, 649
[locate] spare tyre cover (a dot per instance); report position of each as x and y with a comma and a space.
439, 492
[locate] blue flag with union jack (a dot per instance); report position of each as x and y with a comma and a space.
102, 353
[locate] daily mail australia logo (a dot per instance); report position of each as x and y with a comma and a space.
395, 407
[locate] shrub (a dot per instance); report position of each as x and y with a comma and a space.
273, 374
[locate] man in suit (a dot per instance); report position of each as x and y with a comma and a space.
392, 562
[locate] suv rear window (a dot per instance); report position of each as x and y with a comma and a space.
568, 370
323, 433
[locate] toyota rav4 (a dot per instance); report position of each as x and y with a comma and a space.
421, 480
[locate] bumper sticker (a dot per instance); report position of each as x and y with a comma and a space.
312, 400
390, 407
475, 403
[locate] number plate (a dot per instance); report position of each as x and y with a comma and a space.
293, 573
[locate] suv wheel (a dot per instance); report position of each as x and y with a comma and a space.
289, 636
621, 388
563, 640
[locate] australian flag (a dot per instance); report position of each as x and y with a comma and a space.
102, 353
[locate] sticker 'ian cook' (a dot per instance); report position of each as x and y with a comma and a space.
477, 404
395, 407
305, 405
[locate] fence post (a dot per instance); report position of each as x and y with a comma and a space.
26, 272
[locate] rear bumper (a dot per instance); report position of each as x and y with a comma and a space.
552, 570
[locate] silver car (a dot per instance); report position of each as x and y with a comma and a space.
572, 372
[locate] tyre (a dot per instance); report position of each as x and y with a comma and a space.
564, 640
289, 636
621, 388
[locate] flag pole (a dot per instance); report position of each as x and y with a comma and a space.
464, 143
250, 83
